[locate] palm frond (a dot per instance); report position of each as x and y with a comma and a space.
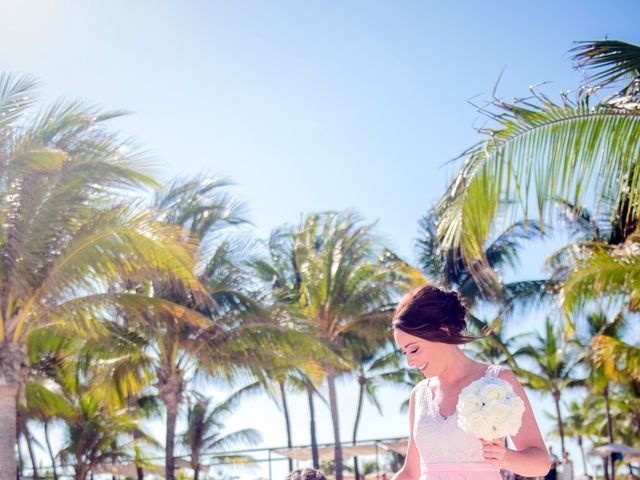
16, 95
540, 151
612, 60
603, 270
618, 358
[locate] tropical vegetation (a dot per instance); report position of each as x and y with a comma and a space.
124, 300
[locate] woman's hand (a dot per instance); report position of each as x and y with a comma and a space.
494, 451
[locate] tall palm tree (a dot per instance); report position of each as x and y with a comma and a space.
204, 434
279, 270
375, 361
275, 384
66, 229
218, 329
554, 367
346, 287
543, 150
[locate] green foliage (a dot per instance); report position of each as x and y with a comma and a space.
540, 151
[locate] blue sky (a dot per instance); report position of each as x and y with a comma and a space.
308, 106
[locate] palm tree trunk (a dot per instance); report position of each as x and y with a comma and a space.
556, 399
132, 403
312, 415
172, 415
20, 460
8, 467
362, 381
584, 459
333, 402
196, 473
170, 388
81, 470
605, 465
32, 455
605, 393
50, 450
287, 419
13, 367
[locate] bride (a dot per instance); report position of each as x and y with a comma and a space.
429, 325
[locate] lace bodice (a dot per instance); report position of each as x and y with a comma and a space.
439, 439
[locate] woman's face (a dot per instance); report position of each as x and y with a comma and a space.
429, 357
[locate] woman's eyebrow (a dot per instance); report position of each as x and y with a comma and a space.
409, 344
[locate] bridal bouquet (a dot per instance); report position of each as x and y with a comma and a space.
489, 408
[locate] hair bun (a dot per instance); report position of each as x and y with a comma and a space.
428, 311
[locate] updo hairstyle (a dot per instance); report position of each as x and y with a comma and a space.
433, 314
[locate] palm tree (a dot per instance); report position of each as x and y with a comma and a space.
543, 150
24, 431
497, 347
447, 268
375, 361
204, 434
602, 270
345, 287
94, 432
601, 375
615, 355
275, 384
70, 380
279, 271
216, 330
576, 425
554, 363
66, 229
299, 376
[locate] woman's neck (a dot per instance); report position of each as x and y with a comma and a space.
459, 367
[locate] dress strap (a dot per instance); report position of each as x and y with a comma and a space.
493, 370
423, 397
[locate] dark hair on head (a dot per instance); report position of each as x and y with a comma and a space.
433, 314
305, 474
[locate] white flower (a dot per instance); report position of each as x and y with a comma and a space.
479, 423
494, 392
489, 408
469, 404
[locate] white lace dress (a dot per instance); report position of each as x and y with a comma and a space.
446, 452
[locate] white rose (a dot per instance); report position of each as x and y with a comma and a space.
516, 405
479, 425
489, 408
497, 411
468, 405
512, 425
493, 392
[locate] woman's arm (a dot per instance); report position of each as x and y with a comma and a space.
531, 458
411, 468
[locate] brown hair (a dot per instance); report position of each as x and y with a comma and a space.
433, 314
305, 474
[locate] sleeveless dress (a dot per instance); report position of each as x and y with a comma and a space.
446, 452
